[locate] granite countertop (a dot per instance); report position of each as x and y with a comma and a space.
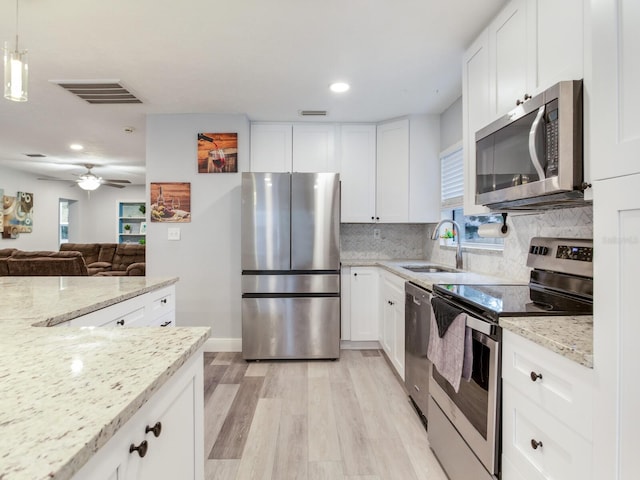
571, 337
67, 390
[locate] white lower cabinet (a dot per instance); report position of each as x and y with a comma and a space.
547, 406
163, 439
156, 308
392, 313
363, 313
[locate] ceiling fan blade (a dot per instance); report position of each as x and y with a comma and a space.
51, 179
112, 185
116, 181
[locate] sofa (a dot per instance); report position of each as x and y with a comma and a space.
111, 259
42, 263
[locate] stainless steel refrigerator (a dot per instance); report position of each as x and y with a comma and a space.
290, 265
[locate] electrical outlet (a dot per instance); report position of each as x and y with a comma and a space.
173, 233
376, 233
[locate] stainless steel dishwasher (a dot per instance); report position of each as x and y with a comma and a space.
416, 340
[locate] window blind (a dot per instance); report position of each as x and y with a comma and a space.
452, 179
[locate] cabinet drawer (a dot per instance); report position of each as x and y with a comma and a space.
126, 314
562, 455
162, 301
564, 388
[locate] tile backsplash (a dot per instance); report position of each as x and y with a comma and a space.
395, 241
411, 241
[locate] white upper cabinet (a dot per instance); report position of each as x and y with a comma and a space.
475, 113
615, 96
556, 38
424, 169
508, 58
286, 147
271, 147
358, 173
392, 193
314, 148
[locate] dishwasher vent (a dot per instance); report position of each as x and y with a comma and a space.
106, 92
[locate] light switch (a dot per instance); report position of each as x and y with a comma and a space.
173, 233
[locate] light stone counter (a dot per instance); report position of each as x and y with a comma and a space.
571, 337
65, 391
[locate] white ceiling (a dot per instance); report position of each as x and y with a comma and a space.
266, 58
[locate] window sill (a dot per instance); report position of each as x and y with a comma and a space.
478, 247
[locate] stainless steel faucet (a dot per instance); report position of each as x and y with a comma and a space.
456, 233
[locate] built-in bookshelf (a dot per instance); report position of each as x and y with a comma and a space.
132, 222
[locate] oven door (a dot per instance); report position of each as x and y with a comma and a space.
474, 409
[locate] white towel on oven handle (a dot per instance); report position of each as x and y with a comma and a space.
447, 353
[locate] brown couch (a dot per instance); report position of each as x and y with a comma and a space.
46, 264
5, 253
111, 259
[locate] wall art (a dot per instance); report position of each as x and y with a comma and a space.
217, 153
17, 214
171, 202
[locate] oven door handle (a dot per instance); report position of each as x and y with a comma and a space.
478, 325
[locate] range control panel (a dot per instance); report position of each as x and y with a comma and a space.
568, 255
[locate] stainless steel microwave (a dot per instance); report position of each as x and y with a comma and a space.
531, 158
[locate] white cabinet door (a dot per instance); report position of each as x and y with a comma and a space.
392, 176
271, 147
556, 33
616, 236
364, 309
508, 59
314, 148
424, 169
358, 173
475, 114
615, 96
392, 309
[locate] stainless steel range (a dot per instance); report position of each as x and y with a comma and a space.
464, 426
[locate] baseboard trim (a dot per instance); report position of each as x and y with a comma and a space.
223, 345
365, 345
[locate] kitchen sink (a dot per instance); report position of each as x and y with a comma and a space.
428, 269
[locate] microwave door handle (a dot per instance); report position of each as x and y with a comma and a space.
533, 152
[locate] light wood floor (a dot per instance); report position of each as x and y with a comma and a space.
343, 420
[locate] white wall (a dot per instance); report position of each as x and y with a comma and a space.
100, 222
46, 196
451, 125
207, 258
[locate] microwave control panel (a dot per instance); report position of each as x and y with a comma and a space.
551, 131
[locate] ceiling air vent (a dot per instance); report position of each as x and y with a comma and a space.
99, 92
313, 113
35, 155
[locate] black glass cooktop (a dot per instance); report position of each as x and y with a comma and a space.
497, 301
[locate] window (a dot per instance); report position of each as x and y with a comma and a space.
452, 199
63, 233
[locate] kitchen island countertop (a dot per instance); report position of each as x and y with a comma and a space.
67, 390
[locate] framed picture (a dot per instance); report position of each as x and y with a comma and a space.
170, 202
217, 153
143, 227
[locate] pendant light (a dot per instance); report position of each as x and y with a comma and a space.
16, 71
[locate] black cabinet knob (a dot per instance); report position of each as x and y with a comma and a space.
535, 444
166, 324
377, 218
535, 376
519, 102
355, 274
164, 300
120, 322
141, 449
156, 429
526, 97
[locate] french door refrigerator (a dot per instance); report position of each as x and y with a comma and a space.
290, 265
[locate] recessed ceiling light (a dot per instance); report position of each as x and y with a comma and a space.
339, 87
76, 147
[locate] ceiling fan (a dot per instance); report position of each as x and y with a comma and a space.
90, 181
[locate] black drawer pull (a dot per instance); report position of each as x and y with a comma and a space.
535, 376
141, 449
120, 322
535, 444
156, 429
164, 300
166, 324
